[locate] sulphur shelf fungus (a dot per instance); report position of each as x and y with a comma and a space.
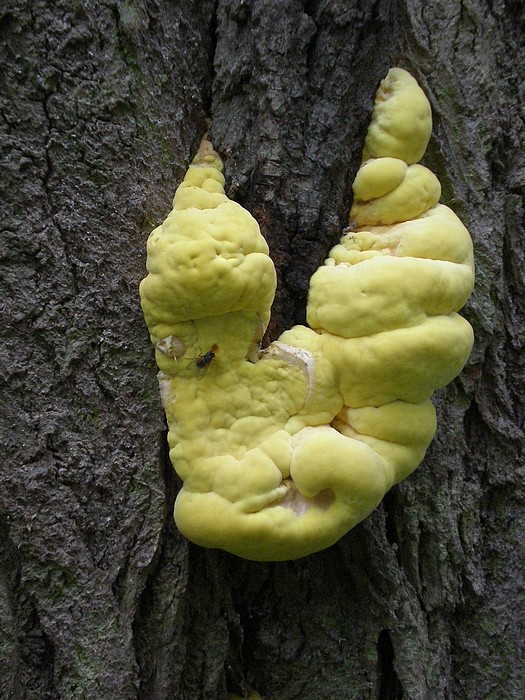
281, 452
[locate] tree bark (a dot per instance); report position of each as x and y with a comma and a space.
103, 104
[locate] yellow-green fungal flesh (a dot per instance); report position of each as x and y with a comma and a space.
282, 451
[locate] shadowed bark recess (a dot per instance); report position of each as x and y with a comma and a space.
102, 104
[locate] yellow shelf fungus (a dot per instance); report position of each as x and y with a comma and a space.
282, 451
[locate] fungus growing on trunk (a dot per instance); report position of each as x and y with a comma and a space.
282, 452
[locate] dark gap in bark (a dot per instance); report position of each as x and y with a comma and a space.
389, 685
208, 99
171, 480
389, 506
42, 648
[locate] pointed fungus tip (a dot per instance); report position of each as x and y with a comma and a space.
207, 155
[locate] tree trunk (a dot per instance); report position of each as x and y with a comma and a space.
103, 105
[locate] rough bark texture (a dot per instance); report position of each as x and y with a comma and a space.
102, 105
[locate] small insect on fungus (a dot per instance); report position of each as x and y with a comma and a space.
204, 360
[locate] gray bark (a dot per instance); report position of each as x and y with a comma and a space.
102, 106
